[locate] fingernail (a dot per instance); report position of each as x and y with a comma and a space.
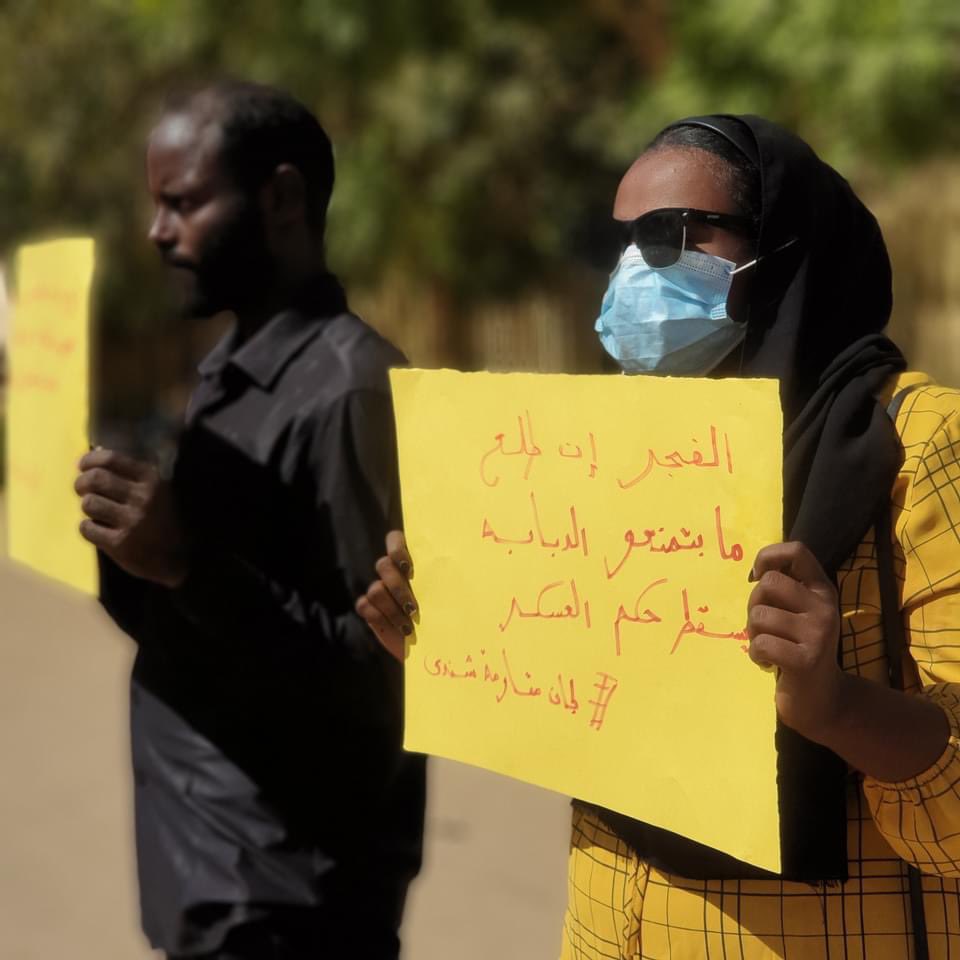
751, 576
403, 567
406, 629
409, 608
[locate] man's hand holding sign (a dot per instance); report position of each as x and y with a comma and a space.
131, 516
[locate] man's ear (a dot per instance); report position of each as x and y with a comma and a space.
283, 198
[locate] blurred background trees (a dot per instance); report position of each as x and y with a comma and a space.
479, 143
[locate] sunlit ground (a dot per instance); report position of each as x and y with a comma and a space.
494, 884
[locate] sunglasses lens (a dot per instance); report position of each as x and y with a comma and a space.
659, 235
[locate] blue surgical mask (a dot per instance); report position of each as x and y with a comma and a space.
671, 320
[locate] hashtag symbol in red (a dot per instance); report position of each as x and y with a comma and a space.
604, 686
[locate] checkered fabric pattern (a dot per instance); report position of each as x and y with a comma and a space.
619, 907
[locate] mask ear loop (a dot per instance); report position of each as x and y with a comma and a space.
756, 260
752, 263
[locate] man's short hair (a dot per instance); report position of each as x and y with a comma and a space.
262, 127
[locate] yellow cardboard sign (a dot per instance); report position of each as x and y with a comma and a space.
581, 548
48, 408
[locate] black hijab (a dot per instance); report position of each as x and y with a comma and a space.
817, 309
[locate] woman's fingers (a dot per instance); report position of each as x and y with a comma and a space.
769, 651
383, 600
384, 631
763, 619
780, 590
398, 553
796, 561
389, 603
397, 584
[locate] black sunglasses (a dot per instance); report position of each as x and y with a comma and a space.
661, 235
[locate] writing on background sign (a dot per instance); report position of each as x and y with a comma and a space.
28, 475
39, 353
51, 295
48, 408
47, 340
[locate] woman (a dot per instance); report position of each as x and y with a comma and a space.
746, 255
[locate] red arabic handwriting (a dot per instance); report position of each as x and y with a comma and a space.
577, 453
605, 687
42, 382
562, 693
28, 476
527, 448
44, 293
700, 630
735, 553
570, 610
575, 540
673, 545
558, 698
689, 625
45, 340
676, 460
654, 543
647, 616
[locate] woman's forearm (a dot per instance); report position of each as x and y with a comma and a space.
884, 733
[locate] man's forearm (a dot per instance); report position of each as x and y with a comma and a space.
230, 598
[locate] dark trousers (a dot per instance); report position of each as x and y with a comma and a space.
224, 877
299, 933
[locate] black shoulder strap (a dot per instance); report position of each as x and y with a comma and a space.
895, 645
894, 640
893, 407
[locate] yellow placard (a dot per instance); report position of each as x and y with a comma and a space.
48, 409
582, 547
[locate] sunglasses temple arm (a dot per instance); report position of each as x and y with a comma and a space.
756, 260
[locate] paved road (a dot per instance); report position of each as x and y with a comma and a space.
493, 887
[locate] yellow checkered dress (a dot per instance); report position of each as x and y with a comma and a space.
620, 907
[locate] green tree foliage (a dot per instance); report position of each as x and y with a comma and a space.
478, 141
872, 83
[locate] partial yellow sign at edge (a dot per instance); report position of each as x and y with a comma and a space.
48, 404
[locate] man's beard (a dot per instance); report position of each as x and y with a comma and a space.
232, 268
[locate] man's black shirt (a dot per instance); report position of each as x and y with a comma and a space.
286, 479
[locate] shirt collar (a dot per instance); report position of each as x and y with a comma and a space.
265, 355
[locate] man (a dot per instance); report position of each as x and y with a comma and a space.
276, 814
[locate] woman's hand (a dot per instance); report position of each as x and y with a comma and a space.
794, 625
389, 605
